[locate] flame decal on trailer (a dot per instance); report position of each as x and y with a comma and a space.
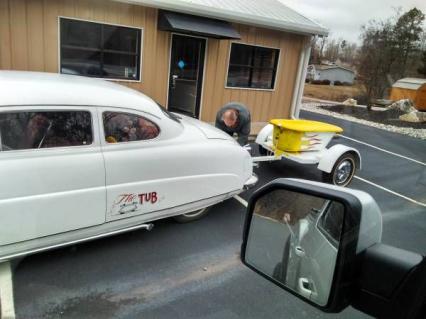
310, 142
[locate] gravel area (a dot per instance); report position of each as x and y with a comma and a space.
382, 116
318, 107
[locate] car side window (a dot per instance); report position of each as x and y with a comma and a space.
125, 127
23, 130
331, 221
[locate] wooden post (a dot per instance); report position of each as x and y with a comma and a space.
7, 307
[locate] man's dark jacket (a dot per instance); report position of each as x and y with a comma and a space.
243, 122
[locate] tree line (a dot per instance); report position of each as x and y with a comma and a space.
389, 49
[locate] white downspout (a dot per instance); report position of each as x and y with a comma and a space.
300, 78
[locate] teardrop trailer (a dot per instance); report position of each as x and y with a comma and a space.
306, 142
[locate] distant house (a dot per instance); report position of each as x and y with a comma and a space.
410, 88
332, 73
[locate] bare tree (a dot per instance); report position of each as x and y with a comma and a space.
348, 53
331, 52
407, 33
315, 57
387, 50
322, 44
375, 58
422, 69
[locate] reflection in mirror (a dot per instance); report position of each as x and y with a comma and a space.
294, 239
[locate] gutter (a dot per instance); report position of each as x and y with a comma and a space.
300, 78
231, 16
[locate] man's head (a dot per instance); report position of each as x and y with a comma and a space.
230, 118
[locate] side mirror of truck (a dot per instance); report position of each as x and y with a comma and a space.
322, 243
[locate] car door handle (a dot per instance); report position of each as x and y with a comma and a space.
299, 251
305, 287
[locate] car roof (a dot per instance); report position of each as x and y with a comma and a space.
38, 88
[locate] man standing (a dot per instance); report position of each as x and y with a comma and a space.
234, 118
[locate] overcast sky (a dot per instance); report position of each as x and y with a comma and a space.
344, 17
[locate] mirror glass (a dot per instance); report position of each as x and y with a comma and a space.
294, 239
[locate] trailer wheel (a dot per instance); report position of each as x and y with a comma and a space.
343, 171
262, 151
191, 216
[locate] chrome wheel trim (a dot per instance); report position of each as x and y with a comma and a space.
344, 172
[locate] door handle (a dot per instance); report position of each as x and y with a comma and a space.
305, 287
174, 77
299, 251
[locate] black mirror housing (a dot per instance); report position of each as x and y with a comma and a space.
361, 216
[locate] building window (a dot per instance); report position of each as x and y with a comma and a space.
252, 66
45, 129
125, 127
100, 50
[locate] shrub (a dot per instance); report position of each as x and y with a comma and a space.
361, 99
338, 83
325, 82
346, 84
316, 82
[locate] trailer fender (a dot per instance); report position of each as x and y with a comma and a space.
264, 133
331, 155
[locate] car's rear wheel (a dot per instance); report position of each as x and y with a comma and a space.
343, 171
191, 216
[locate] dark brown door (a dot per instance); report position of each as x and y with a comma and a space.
186, 74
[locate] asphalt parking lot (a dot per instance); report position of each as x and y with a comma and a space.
193, 270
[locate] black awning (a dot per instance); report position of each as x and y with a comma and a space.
196, 25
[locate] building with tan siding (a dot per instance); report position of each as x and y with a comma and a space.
190, 56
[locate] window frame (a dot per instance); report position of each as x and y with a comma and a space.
142, 114
319, 225
141, 29
277, 67
1, 144
55, 108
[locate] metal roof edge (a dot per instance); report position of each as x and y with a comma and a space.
191, 8
328, 67
412, 80
341, 67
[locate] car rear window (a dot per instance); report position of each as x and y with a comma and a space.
331, 221
125, 127
46, 129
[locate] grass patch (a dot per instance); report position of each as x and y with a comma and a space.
332, 93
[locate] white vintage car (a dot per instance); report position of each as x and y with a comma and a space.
82, 159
